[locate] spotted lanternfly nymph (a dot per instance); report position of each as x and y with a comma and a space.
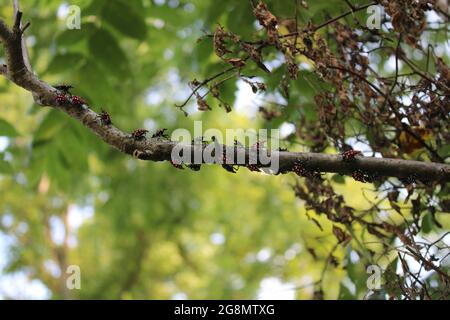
409, 180
160, 133
229, 167
176, 165
282, 149
139, 134
252, 167
350, 155
105, 118
299, 169
61, 99
194, 167
258, 145
358, 175
77, 101
65, 88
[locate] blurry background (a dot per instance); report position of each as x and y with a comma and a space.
142, 229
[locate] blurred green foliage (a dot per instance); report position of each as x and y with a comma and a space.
155, 232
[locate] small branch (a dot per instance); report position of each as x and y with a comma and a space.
353, 10
17, 20
326, 23
25, 55
17, 70
397, 54
352, 7
203, 83
25, 27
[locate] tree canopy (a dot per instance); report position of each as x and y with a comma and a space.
363, 111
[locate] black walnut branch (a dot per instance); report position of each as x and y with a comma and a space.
156, 149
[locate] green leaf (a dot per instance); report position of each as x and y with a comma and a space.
57, 168
356, 272
5, 167
427, 223
106, 50
90, 76
215, 11
70, 37
73, 147
6, 129
275, 78
282, 8
338, 179
444, 151
203, 50
240, 19
52, 124
65, 62
94, 8
125, 19
345, 294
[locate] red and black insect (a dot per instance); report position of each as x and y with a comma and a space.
176, 165
78, 101
61, 99
300, 170
252, 167
308, 43
229, 167
105, 118
360, 176
195, 167
65, 88
160, 133
409, 180
139, 134
350, 155
258, 145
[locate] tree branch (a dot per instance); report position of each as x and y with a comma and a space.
157, 149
